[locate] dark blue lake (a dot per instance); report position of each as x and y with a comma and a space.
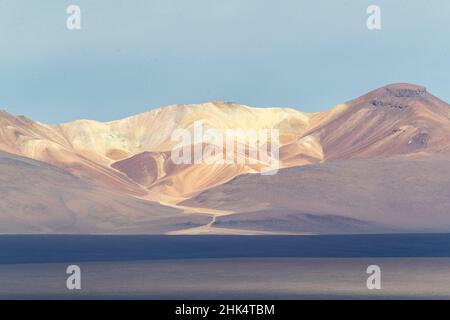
65, 248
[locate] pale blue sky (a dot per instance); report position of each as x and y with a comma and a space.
134, 55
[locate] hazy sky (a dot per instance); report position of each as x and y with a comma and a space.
133, 55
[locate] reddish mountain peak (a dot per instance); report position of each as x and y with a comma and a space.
396, 96
403, 85
405, 90
398, 91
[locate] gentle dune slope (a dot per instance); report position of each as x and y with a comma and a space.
353, 196
39, 198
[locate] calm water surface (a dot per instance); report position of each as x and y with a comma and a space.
225, 267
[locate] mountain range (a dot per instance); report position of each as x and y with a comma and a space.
377, 164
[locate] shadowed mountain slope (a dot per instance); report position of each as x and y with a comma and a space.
354, 196
38, 198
